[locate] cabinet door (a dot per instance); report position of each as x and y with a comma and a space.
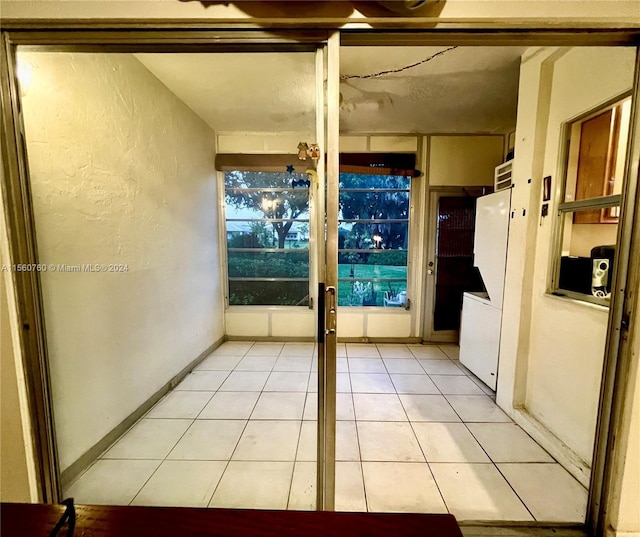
596, 162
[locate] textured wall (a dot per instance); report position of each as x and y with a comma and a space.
122, 173
566, 339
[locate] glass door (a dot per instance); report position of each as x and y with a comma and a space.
178, 205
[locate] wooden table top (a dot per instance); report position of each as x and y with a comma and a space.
26, 520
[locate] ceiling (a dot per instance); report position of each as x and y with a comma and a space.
464, 90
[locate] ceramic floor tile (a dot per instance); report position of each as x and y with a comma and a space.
279, 406
479, 408
308, 446
180, 405
219, 363
256, 363
414, 491
403, 365
428, 408
268, 441
298, 349
209, 440
293, 363
148, 439
488, 391
284, 381
343, 383
233, 348
111, 482
452, 351
342, 365
302, 496
203, 381
350, 487
312, 385
478, 492
378, 407
245, 381
507, 442
388, 441
448, 442
362, 350
371, 383
416, 384
344, 407
455, 384
341, 350
311, 407
230, 406
181, 484
366, 365
394, 351
429, 352
265, 349
254, 485
441, 367
347, 448
548, 490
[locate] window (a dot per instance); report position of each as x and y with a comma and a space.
589, 211
267, 228
373, 240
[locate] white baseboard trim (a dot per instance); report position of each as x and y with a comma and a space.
69, 474
562, 453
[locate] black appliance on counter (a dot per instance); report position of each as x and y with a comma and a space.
588, 275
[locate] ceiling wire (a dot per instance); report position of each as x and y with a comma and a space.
399, 69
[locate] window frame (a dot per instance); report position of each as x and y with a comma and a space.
411, 241
563, 208
224, 251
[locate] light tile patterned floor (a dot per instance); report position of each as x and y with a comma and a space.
416, 432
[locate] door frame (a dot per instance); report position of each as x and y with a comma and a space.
429, 334
121, 36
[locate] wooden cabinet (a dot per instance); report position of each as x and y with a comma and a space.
597, 164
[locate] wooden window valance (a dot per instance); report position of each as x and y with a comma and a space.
361, 163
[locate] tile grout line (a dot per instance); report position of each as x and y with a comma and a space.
226, 467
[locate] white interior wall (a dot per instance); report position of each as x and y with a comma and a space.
558, 373
464, 160
122, 172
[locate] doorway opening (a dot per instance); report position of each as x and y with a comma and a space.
398, 387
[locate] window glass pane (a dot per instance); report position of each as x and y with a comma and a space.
360, 181
278, 264
588, 251
375, 205
385, 236
238, 179
259, 293
597, 150
267, 228
372, 293
373, 240
264, 234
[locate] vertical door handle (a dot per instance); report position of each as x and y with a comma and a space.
331, 310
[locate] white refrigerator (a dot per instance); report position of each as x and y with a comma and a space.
482, 312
